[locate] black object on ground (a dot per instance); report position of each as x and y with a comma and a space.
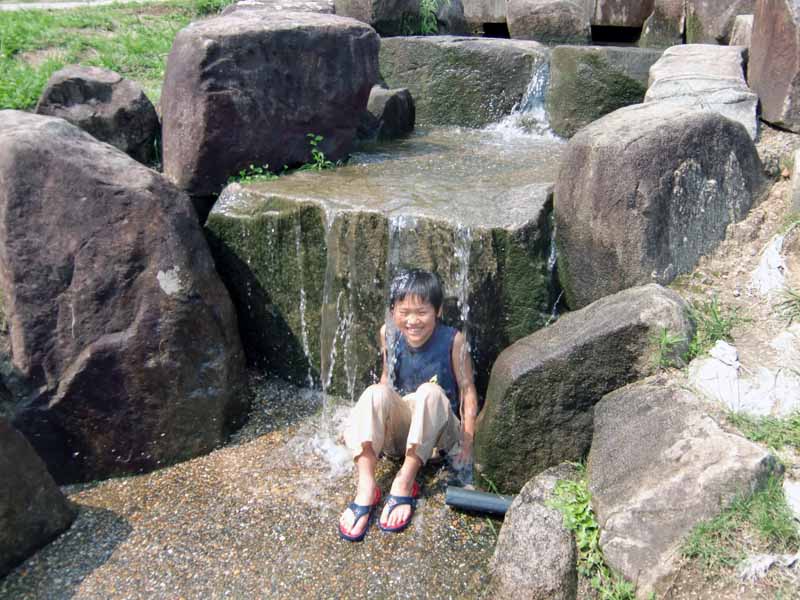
475, 501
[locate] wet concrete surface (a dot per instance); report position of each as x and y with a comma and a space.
256, 519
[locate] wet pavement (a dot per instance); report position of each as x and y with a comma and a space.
256, 519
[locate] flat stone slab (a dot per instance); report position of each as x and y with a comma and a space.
469, 82
309, 255
706, 77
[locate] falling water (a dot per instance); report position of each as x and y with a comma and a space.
552, 260
529, 116
303, 325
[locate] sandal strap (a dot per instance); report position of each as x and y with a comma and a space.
359, 510
394, 501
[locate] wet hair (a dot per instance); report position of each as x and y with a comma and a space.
416, 282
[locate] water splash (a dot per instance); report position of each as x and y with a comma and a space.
529, 115
463, 250
303, 325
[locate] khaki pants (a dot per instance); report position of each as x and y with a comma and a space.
422, 420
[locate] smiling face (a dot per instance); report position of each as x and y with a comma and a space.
415, 319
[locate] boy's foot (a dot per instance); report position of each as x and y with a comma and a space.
354, 527
398, 517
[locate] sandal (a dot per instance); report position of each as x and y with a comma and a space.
394, 501
359, 510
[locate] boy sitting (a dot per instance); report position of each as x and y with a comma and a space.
425, 386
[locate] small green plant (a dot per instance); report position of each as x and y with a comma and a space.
712, 323
765, 514
789, 306
572, 499
318, 160
428, 23
771, 431
666, 345
253, 174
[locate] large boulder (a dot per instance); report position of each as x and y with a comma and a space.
308, 257
774, 68
706, 77
32, 509
481, 12
117, 317
543, 388
711, 21
111, 108
388, 17
548, 21
317, 6
248, 88
646, 191
665, 26
587, 82
469, 82
658, 467
621, 13
535, 556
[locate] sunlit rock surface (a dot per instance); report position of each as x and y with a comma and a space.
665, 26
711, 21
308, 257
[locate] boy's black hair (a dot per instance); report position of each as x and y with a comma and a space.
416, 282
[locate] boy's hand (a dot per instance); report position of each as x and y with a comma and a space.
464, 456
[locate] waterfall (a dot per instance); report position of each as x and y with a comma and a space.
303, 325
529, 116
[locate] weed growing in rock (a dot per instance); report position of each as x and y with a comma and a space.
428, 24
318, 160
253, 174
712, 323
770, 431
765, 514
572, 499
666, 345
789, 306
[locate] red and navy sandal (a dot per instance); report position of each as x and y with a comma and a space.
359, 510
393, 502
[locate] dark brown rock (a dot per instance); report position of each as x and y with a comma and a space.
111, 108
391, 114
117, 317
548, 21
774, 69
32, 509
388, 17
249, 87
543, 388
646, 191
660, 466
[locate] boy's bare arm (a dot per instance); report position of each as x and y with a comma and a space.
469, 395
382, 342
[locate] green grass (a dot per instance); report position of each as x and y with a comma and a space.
789, 306
713, 322
770, 431
717, 544
666, 349
573, 500
124, 38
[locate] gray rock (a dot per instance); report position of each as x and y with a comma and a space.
535, 556
621, 13
231, 79
742, 31
711, 21
706, 77
665, 26
117, 317
317, 6
32, 509
451, 19
776, 33
548, 21
390, 114
478, 12
658, 467
111, 108
543, 388
468, 82
646, 191
796, 182
587, 82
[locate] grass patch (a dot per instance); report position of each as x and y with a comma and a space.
572, 499
789, 306
712, 324
764, 514
666, 349
770, 431
133, 40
